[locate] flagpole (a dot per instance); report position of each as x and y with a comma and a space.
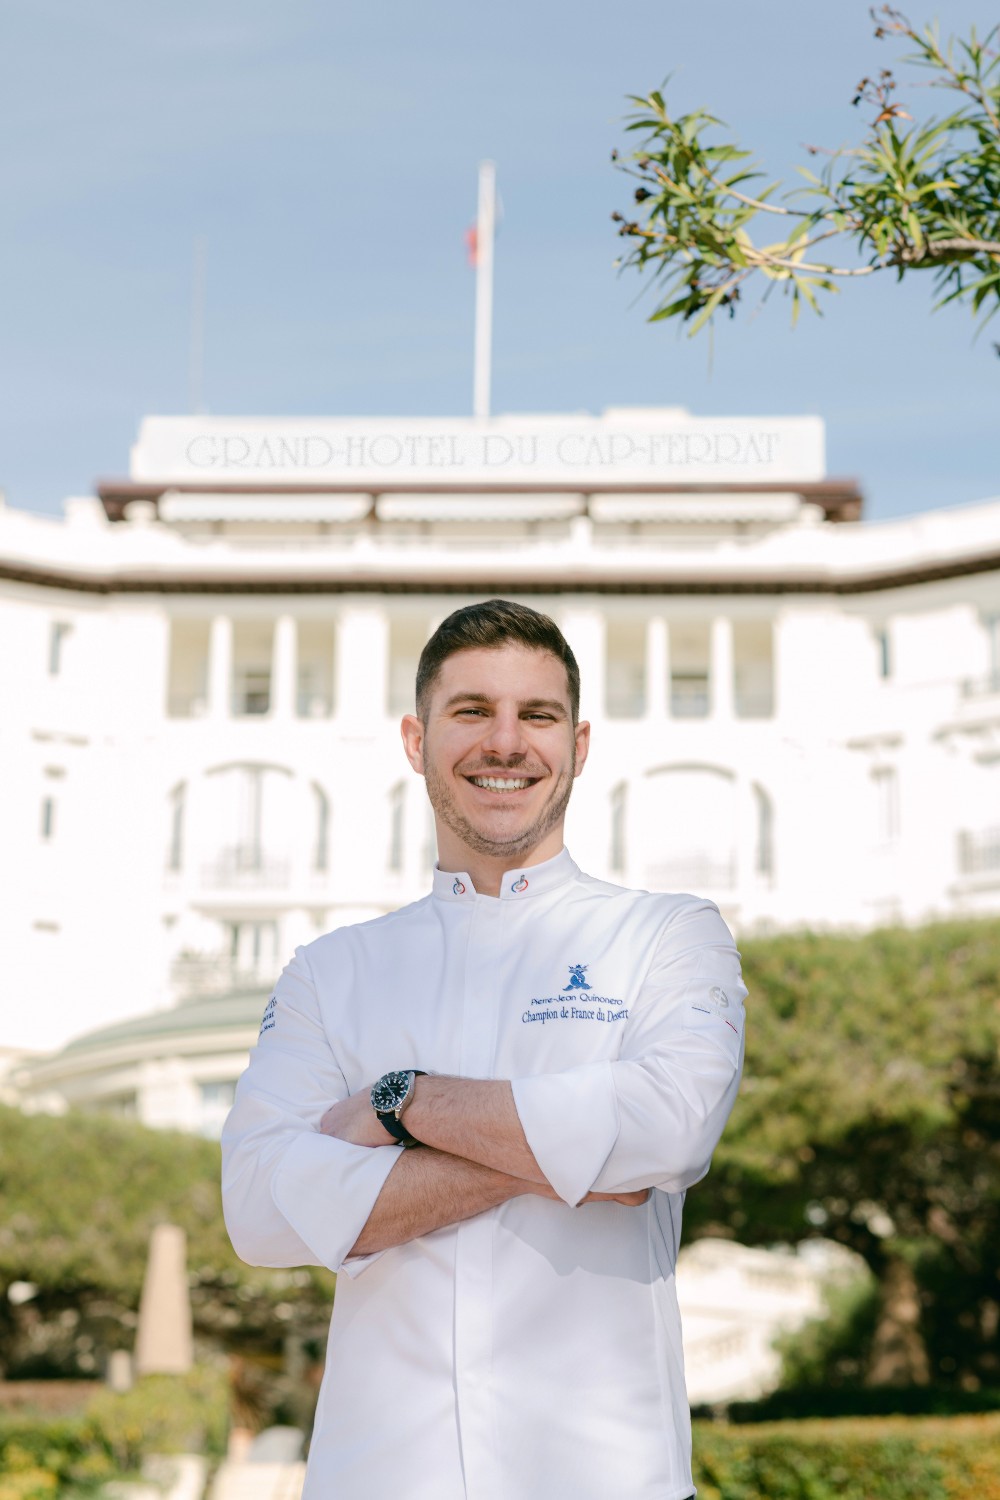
485, 229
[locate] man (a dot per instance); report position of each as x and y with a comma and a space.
562, 1054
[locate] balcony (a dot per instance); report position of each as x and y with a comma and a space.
692, 873
219, 974
982, 687
979, 852
244, 867
689, 697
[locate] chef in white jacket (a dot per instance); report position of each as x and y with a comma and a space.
484, 1110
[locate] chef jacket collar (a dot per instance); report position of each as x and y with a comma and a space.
516, 885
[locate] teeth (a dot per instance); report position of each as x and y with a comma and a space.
502, 784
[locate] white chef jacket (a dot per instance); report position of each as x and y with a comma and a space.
532, 1352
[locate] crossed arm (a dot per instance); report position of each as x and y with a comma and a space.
478, 1157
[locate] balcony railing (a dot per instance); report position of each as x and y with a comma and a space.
692, 873
689, 698
219, 974
245, 868
754, 705
981, 687
979, 852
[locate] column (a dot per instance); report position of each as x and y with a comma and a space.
283, 668
220, 667
657, 668
584, 629
720, 670
362, 664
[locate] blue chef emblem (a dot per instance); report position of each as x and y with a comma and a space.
576, 979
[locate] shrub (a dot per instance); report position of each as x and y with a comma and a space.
858, 1459
42, 1457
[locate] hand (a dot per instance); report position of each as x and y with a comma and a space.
631, 1200
353, 1120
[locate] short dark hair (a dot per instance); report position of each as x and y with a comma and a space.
492, 624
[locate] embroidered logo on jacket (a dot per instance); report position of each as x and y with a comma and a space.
584, 1004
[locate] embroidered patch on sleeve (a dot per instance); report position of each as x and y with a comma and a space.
714, 1014
267, 1024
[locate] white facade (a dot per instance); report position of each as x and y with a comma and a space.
736, 1301
793, 713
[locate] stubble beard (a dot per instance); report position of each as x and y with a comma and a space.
550, 814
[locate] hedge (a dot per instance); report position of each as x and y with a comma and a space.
863, 1458
46, 1458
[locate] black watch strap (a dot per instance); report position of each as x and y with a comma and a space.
395, 1127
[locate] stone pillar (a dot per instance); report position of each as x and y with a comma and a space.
163, 1341
584, 629
283, 668
721, 668
657, 668
220, 667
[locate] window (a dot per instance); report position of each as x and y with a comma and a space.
252, 643
689, 669
48, 818
764, 842
978, 852
617, 860
430, 838
247, 818
321, 829
58, 631
883, 652
992, 624
886, 786
175, 847
253, 949
689, 817
625, 669
187, 674
314, 684
216, 1099
407, 637
753, 669
397, 811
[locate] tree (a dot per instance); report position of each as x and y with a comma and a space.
870, 1114
81, 1195
909, 198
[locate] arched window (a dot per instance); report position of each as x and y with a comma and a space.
251, 814
397, 813
321, 828
175, 844
764, 833
430, 839
687, 820
617, 856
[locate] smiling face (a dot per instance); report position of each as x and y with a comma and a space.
499, 752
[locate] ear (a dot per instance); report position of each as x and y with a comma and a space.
582, 735
412, 730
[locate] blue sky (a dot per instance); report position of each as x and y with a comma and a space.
327, 153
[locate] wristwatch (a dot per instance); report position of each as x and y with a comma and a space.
390, 1096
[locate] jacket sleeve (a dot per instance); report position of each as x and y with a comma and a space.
290, 1195
653, 1116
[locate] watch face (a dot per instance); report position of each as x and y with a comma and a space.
390, 1091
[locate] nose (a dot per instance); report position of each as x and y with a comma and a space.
505, 736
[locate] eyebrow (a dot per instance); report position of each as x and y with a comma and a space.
552, 704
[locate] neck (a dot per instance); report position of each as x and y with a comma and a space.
487, 870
